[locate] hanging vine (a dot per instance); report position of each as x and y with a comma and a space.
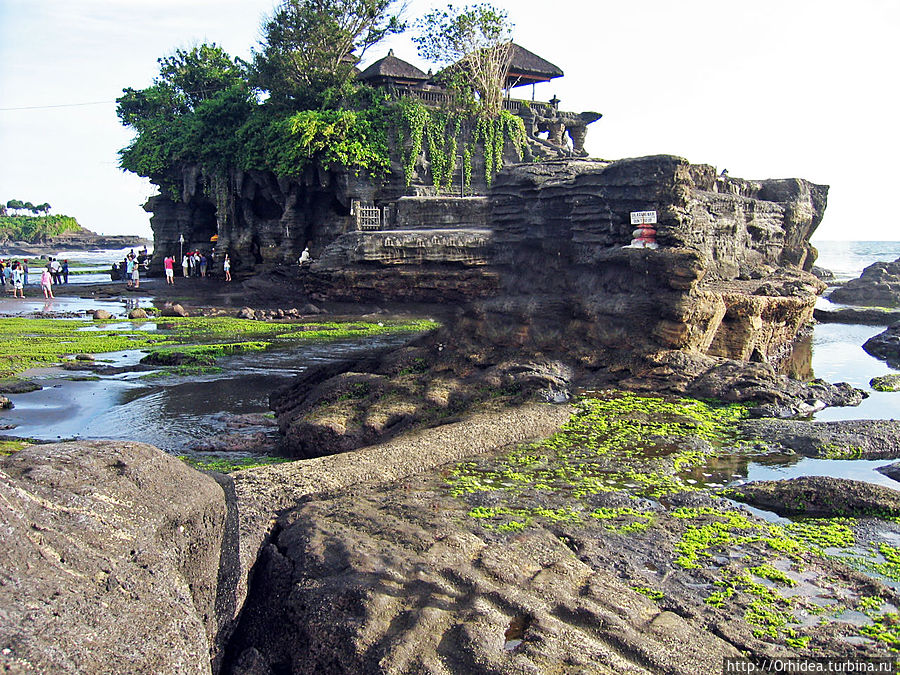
439, 133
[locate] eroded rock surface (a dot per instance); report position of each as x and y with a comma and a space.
393, 581
115, 559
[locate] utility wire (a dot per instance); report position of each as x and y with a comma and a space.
58, 105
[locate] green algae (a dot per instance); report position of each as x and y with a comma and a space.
624, 519
27, 343
654, 595
618, 441
885, 383
638, 445
9, 446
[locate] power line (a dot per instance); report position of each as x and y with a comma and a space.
58, 105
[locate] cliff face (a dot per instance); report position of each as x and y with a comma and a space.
545, 257
263, 220
727, 279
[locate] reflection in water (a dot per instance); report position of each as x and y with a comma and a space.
170, 412
798, 364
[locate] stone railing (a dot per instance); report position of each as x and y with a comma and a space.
433, 97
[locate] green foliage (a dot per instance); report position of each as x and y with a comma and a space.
310, 47
353, 139
36, 228
475, 39
19, 205
202, 109
440, 132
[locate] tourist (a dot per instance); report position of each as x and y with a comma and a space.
56, 270
203, 263
65, 271
2, 273
17, 280
226, 266
169, 265
304, 257
47, 283
195, 264
135, 273
185, 265
129, 270
25, 271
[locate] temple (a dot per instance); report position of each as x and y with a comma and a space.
545, 123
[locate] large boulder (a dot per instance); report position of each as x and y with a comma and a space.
115, 559
820, 497
846, 439
879, 285
886, 345
400, 580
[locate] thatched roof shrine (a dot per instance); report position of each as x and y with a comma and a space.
391, 70
528, 68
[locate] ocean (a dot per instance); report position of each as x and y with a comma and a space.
847, 259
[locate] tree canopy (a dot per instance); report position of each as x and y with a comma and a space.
310, 46
298, 102
474, 42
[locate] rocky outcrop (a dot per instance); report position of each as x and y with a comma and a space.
870, 316
116, 558
886, 345
886, 382
119, 558
728, 278
850, 439
879, 285
820, 497
382, 582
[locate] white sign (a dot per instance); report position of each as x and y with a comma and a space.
643, 217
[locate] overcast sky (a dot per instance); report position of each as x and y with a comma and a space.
766, 89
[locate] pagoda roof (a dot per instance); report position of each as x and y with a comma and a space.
392, 68
526, 67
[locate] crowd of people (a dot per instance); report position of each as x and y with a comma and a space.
195, 264
14, 276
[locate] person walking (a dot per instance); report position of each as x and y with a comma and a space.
25, 271
18, 284
226, 266
185, 265
169, 266
47, 283
65, 271
135, 273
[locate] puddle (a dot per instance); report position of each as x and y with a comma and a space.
170, 412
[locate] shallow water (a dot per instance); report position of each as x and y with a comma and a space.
171, 412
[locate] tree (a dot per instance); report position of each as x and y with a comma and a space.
161, 114
310, 46
475, 43
43, 208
